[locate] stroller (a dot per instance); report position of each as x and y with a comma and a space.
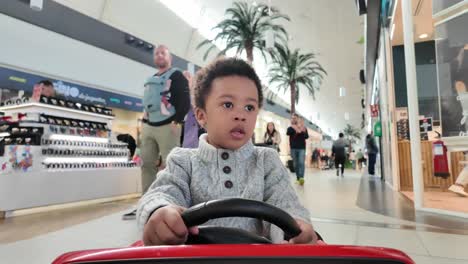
326, 163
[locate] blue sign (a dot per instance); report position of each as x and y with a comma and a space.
18, 80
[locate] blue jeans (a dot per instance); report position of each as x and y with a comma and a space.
298, 156
371, 165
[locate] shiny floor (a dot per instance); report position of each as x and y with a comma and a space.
443, 200
354, 210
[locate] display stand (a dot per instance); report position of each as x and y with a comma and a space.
64, 167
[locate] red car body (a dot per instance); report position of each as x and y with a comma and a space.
286, 253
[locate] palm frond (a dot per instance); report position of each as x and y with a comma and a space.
294, 67
245, 27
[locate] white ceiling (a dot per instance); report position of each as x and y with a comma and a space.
329, 28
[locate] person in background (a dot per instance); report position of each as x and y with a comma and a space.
315, 158
48, 88
352, 159
298, 134
159, 137
360, 159
43, 88
191, 129
324, 158
372, 151
131, 143
339, 153
272, 137
166, 101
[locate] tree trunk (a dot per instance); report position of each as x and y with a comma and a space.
249, 51
293, 97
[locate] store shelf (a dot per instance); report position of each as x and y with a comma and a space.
42, 188
32, 178
57, 111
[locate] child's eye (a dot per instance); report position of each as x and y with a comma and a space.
227, 105
250, 108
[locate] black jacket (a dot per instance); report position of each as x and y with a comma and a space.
297, 140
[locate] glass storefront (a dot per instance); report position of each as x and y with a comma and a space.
442, 77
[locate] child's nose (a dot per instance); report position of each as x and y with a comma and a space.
239, 115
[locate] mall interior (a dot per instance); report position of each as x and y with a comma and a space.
390, 75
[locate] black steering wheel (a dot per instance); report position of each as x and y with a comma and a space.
236, 207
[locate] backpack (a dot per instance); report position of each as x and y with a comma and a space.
156, 97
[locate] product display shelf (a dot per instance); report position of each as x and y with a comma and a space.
62, 168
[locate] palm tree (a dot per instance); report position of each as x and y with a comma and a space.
352, 134
245, 29
295, 70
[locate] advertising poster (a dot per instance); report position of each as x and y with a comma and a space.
452, 64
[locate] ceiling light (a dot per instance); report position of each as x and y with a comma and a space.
36, 5
392, 31
342, 92
423, 36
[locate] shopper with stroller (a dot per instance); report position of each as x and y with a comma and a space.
272, 137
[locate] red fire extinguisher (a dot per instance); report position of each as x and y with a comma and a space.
439, 151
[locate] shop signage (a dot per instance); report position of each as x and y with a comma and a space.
378, 129
23, 81
374, 110
425, 125
402, 123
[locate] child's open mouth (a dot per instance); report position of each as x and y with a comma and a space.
237, 133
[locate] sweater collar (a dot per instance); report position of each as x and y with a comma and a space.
209, 153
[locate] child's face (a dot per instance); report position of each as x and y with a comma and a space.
230, 112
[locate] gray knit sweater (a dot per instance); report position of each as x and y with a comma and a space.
193, 176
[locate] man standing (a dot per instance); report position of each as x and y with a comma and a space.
166, 101
372, 151
298, 134
339, 153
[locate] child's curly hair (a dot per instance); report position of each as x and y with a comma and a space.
223, 67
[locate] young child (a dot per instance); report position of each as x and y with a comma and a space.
227, 98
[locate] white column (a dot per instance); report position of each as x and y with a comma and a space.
413, 111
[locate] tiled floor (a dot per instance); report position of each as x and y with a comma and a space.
25, 227
443, 200
335, 214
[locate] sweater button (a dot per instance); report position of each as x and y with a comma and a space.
225, 156
227, 169
228, 184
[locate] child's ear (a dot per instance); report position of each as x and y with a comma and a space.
200, 115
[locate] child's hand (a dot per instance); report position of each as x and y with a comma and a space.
166, 227
307, 236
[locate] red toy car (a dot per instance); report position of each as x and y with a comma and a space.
235, 246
